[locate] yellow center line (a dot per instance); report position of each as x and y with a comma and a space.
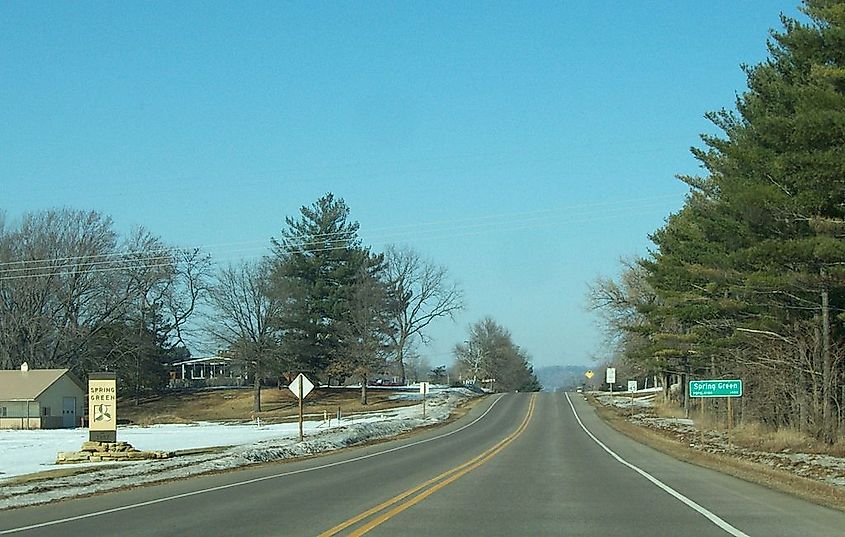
447, 477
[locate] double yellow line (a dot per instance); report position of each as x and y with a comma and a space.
429, 487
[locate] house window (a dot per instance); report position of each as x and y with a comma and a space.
3, 412
45, 411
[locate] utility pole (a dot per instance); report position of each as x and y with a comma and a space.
140, 349
827, 365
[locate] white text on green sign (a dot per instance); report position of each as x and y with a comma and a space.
715, 388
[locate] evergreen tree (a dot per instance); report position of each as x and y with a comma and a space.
748, 276
318, 260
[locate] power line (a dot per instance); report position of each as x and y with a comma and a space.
437, 235
478, 228
164, 253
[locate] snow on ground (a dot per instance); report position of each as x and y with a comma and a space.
31, 451
26, 452
641, 398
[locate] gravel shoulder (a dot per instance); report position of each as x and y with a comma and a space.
814, 477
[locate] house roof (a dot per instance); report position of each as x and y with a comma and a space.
209, 360
17, 385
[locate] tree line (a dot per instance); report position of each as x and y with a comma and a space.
74, 294
491, 358
747, 280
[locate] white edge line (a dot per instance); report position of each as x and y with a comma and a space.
709, 515
247, 482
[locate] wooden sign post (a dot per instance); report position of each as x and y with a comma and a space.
301, 387
424, 392
719, 388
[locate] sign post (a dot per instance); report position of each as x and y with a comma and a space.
718, 388
424, 392
301, 387
632, 388
589, 374
610, 378
730, 422
102, 407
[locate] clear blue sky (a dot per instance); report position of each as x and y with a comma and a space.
526, 146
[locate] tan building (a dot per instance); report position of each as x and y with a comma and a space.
40, 399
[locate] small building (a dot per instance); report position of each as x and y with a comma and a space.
40, 399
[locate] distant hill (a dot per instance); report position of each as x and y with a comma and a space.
561, 377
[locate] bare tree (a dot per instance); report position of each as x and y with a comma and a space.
190, 282
166, 285
150, 269
367, 330
423, 294
60, 283
73, 295
417, 365
490, 355
618, 303
243, 319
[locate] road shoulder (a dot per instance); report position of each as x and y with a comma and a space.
814, 491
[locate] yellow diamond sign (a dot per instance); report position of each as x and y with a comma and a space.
589, 374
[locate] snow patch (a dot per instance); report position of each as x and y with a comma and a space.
25, 452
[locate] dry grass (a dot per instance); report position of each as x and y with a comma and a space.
754, 435
668, 410
758, 437
236, 405
156, 419
47, 474
780, 480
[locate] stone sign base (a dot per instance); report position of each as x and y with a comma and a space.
108, 451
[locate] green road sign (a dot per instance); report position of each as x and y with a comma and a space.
715, 388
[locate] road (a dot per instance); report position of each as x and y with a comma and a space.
516, 464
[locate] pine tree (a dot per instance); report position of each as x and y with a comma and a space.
318, 259
755, 258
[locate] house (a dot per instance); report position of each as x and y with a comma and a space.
204, 372
40, 399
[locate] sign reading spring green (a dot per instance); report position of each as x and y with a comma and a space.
715, 388
102, 407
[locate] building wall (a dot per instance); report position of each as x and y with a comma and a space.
20, 423
16, 415
54, 422
52, 399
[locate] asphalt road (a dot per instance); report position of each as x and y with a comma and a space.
517, 464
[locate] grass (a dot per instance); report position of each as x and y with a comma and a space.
775, 479
47, 474
758, 437
754, 435
667, 410
236, 405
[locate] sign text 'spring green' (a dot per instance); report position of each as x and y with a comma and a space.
715, 388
